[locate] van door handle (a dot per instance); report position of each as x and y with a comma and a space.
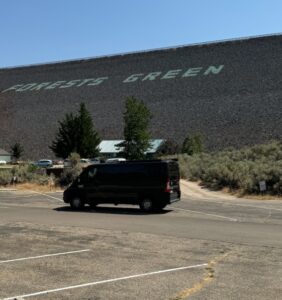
80, 186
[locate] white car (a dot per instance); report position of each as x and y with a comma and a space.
3, 162
45, 163
84, 161
114, 160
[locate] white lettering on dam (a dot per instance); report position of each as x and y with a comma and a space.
144, 77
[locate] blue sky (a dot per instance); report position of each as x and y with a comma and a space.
38, 31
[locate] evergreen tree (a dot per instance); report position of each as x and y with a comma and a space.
17, 150
76, 133
192, 145
89, 139
169, 147
136, 134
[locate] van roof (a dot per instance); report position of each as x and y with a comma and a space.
135, 162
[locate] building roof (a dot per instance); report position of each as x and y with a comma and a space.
3, 152
110, 146
155, 145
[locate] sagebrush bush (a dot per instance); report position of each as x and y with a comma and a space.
5, 177
237, 169
70, 174
24, 174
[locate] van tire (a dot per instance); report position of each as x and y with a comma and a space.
146, 204
77, 203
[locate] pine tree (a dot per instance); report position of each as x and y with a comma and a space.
17, 150
88, 138
76, 133
136, 134
169, 147
192, 145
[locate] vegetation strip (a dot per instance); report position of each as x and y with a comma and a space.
106, 281
250, 170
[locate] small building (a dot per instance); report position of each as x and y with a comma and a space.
5, 156
110, 149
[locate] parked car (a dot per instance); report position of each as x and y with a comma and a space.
95, 160
44, 163
3, 162
67, 163
84, 161
115, 159
150, 184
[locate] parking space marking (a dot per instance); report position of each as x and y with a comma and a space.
107, 281
46, 195
260, 207
237, 204
17, 196
33, 194
42, 256
203, 213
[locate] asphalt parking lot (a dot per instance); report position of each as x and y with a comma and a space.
199, 248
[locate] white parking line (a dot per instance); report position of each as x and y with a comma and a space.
105, 281
42, 256
33, 194
46, 195
261, 207
237, 204
203, 213
19, 196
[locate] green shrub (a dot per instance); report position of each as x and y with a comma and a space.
237, 169
192, 145
24, 174
5, 177
69, 175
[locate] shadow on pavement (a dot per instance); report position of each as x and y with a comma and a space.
112, 210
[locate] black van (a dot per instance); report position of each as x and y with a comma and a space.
150, 184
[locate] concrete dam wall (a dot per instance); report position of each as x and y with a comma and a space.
230, 92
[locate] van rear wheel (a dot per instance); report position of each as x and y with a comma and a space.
76, 203
146, 204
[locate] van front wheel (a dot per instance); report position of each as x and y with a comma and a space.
146, 205
76, 203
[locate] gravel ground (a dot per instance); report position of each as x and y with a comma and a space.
242, 258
